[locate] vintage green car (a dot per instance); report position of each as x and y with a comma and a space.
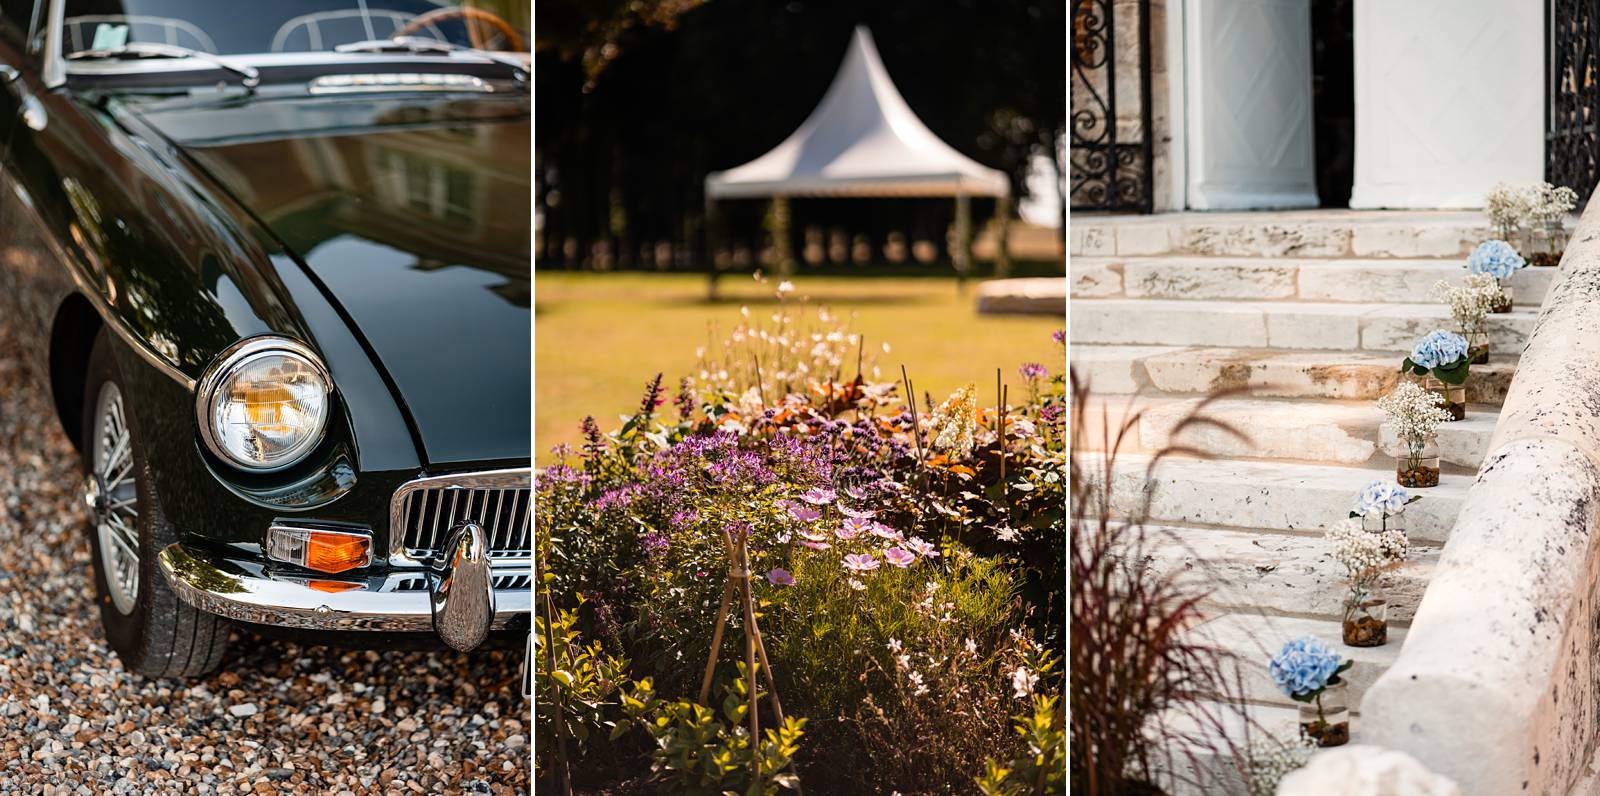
271, 263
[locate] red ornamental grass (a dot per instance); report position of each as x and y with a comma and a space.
1149, 698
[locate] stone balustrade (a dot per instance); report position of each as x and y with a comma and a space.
1498, 685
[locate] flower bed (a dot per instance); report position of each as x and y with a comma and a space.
903, 563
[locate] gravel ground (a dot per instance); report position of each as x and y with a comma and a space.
278, 717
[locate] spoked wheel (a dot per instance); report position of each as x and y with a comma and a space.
152, 631
113, 496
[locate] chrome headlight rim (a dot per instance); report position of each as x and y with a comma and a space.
225, 365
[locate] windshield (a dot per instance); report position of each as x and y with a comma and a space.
288, 26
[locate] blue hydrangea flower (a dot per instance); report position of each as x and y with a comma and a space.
1495, 258
1304, 666
1438, 349
1381, 497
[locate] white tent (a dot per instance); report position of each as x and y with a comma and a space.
863, 141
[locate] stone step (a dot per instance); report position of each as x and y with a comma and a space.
1206, 278
1280, 325
1265, 372
1208, 737
1308, 233
1255, 638
1276, 496
1326, 432
1278, 574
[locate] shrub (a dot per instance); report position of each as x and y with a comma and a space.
1042, 768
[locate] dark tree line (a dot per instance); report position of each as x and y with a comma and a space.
637, 100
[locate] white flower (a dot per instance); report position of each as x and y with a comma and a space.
1006, 534
1271, 760
1022, 681
894, 644
785, 287
1470, 302
1414, 414
857, 585
972, 647
1364, 554
955, 421
916, 680
1507, 206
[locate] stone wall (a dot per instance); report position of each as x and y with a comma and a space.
1497, 686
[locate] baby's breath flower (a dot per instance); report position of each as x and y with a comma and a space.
1414, 414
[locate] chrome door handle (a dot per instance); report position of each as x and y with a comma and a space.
8, 73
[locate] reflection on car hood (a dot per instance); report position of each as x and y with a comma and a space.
414, 212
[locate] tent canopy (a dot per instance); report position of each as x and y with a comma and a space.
862, 140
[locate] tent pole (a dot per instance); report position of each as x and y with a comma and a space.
782, 247
1002, 252
713, 238
963, 253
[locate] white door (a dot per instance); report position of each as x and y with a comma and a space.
1248, 136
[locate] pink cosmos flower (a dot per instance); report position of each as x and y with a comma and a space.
780, 577
814, 536
803, 513
861, 562
851, 528
819, 497
882, 531
860, 514
816, 545
921, 548
857, 585
898, 557
855, 493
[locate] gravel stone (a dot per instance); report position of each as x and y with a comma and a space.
281, 718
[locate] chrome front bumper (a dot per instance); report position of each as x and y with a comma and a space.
248, 591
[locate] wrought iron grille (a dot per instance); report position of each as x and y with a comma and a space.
1111, 153
1572, 95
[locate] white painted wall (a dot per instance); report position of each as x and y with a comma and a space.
1449, 100
1247, 75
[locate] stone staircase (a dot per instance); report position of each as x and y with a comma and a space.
1308, 314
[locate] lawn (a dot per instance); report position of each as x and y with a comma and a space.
600, 337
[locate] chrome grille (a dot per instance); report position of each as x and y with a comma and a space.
424, 511
501, 582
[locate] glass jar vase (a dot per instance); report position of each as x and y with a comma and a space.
1417, 466
1379, 521
1477, 345
1503, 304
1454, 396
1366, 623
1326, 718
1546, 243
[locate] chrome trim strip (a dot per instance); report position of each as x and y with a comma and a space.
230, 589
55, 67
235, 355
514, 478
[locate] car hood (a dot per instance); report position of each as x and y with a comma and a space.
414, 215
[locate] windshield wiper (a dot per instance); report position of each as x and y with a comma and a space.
419, 44
248, 75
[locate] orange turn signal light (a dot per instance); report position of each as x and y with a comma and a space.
321, 549
332, 586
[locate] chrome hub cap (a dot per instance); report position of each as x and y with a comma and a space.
113, 496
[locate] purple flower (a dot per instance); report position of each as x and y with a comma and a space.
898, 557
683, 518
855, 492
803, 513
1059, 335
816, 545
851, 528
819, 497
882, 531
779, 576
860, 514
655, 543
861, 562
916, 545
1033, 370
814, 536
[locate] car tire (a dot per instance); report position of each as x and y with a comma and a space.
152, 631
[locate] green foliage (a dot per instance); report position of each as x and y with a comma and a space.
1042, 768
698, 753
578, 694
1453, 374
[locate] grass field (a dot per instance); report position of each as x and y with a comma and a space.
600, 337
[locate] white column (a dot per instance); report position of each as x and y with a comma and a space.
1449, 100
1248, 89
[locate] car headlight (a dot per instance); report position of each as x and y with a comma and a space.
264, 404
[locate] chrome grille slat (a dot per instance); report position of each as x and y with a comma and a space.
423, 512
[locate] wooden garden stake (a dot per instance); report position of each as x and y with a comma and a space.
561, 697
754, 647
